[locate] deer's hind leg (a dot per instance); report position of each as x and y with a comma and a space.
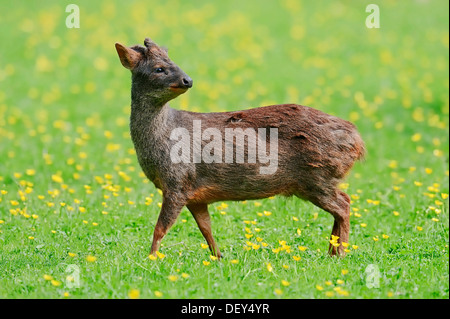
337, 203
201, 216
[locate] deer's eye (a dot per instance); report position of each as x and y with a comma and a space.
159, 70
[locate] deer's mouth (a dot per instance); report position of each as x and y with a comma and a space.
178, 89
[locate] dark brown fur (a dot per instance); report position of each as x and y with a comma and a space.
315, 150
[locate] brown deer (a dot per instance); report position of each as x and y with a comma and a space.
315, 151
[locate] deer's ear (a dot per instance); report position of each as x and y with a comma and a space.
128, 57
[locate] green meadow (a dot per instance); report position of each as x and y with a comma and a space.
77, 213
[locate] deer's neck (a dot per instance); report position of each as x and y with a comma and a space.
149, 118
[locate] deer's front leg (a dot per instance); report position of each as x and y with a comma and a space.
170, 209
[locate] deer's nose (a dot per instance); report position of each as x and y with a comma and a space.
187, 82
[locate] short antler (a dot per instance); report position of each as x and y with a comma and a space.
149, 43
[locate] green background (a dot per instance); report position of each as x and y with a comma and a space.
70, 182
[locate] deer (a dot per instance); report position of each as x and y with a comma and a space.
315, 150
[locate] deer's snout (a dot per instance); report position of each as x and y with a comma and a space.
187, 82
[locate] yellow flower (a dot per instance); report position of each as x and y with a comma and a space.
375, 238
302, 248
296, 258
72, 255
267, 213
158, 294
334, 243
416, 137
393, 164
320, 288
396, 213
152, 257
299, 232
82, 209
444, 195
278, 291
30, 237
66, 294
160, 255
173, 277
363, 225
91, 259
213, 258
222, 206
48, 277
328, 283
343, 292
434, 219
134, 294
343, 186
14, 202
286, 266
234, 261
269, 267
340, 282
285, 283
329, 294
385, 236
55, 283
206, 263
344, 271
82, 155
419, 228
57, 179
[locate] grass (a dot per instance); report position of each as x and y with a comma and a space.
74, 203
